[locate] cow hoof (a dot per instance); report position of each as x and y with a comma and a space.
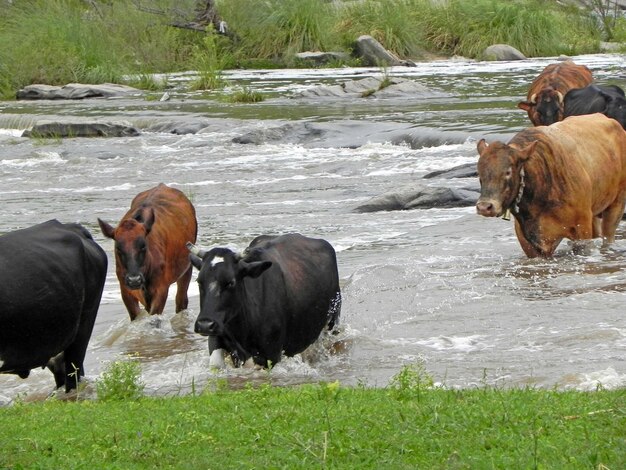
216, 360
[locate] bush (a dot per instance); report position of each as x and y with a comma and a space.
121, 380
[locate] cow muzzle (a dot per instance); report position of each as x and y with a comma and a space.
488, 208
134, 281
206, 327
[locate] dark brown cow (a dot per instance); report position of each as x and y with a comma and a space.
150, 249
544, 102
557, 181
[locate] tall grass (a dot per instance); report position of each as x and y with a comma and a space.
61, 41
397, 24
536, 28
279, 28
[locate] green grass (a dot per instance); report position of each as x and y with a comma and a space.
324, 426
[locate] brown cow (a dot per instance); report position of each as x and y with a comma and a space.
544, 102
150, 249
557, 181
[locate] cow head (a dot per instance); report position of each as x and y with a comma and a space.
615, 107
131, 246
544, 108
222, 291
499, 170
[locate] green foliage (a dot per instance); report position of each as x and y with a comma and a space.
280, 28
246, 95
412, 379
396, 24
121, 380
61, 41
533, 27
208, 62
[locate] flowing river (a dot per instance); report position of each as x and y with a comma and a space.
441, 287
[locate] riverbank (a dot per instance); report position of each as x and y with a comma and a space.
67, 41
407, 425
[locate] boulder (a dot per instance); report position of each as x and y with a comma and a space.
321, 58
75, 91
386, 87
502, 52
468, 170
420, 196
52, 130
372, 53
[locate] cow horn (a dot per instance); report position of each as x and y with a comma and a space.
195, 250
560, 96
533, 98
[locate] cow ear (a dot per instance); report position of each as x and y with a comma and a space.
481, 146
525, 105
254, 269
149, 220
107, 230
196, 261
527, 151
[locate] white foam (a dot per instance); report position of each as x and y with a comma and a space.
456, 343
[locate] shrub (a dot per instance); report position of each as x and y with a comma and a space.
121, 380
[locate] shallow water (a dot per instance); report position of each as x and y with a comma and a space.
441, 286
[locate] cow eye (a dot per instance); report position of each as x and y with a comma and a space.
508, 173
231, 284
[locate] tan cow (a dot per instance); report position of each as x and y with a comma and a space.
544, 102
556, 180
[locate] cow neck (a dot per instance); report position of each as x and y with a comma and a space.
514, 207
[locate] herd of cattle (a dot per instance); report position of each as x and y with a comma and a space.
564, 178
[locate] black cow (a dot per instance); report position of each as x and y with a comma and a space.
274, 299
608, 100
51, 283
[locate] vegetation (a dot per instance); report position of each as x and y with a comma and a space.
121, 380
61, 41
411, 424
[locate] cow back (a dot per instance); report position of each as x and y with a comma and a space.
578, 158
50, 288
304, 279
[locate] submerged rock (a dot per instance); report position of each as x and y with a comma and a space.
420, 196
75, 91
321, 58
51, 130
387, 87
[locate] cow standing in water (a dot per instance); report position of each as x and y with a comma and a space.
567, 180
608, 100
544, 102
275, 298
150, 249
51, 284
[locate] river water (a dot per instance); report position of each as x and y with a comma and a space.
444, 288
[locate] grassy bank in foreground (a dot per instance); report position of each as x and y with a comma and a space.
324, 426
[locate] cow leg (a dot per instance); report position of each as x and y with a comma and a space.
528, 248
546, 245
131, 303
157, 304
182, 285
611, 218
